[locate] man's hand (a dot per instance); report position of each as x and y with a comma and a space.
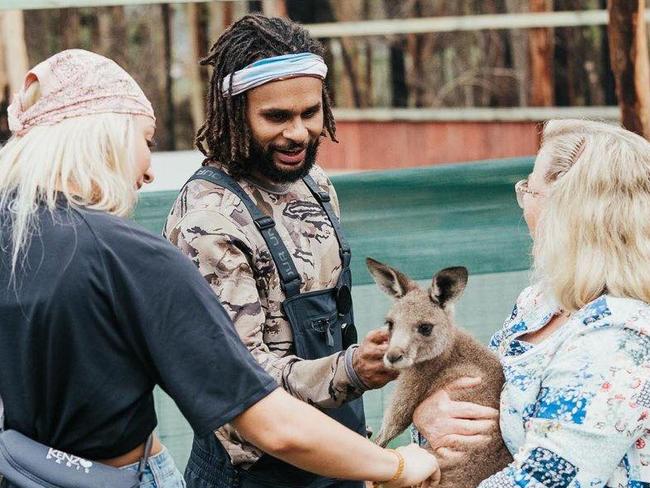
452, 427
368, 360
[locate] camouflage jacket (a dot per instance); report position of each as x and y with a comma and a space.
213, 228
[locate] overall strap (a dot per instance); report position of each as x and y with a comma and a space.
289, 277
324, 199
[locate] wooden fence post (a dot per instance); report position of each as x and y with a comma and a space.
12, 30
541, 60
197, 17
628, 46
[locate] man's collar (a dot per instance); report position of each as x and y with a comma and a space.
267, 185
259, 181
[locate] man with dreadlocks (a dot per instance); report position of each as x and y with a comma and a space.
260, 221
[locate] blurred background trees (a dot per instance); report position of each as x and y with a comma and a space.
160, 46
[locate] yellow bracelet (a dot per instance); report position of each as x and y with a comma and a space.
400, 466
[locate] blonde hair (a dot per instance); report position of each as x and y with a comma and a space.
593, 235
88, 160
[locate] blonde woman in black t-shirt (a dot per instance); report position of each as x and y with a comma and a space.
88, 323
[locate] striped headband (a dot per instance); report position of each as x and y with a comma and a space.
272, 69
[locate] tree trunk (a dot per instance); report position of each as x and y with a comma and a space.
418, 78
13, 38
350, 63
221, 15
112, 33
519, 49
70, 27
609, 81
355, 92
397, 46
197, 16
399, 88
274, 8
628, 47
569, 75
541, 59
593, 68
416, 46
14, 58
4, 102
368, 55
167, 56
4, 81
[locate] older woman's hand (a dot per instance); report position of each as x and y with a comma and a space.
453, 427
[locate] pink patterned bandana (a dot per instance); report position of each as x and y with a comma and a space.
75, 83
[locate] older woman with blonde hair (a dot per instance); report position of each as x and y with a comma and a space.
89, 322
575, 407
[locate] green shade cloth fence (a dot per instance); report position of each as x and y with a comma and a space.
418, 220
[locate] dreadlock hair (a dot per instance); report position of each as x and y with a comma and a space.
225, 135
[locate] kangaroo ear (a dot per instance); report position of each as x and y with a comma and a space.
447, 285
391, 281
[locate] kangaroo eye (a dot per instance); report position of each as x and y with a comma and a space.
389, 324
425, 329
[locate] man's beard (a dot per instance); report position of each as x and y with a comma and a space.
260, 162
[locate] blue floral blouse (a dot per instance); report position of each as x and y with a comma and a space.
575, 408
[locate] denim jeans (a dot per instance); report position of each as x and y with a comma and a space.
161, 472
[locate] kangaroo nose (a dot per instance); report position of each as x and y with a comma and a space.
395, 356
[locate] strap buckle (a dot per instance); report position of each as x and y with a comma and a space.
264, 223
346, 257
292, 288
324, 196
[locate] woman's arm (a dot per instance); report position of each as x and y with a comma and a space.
293, 431
193, 352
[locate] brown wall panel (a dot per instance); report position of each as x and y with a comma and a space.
381, 145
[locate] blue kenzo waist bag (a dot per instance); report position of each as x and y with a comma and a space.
26, 463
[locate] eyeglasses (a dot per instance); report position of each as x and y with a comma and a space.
521, 187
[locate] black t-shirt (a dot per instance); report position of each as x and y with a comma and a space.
99, 312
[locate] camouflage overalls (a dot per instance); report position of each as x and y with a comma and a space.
212, 226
